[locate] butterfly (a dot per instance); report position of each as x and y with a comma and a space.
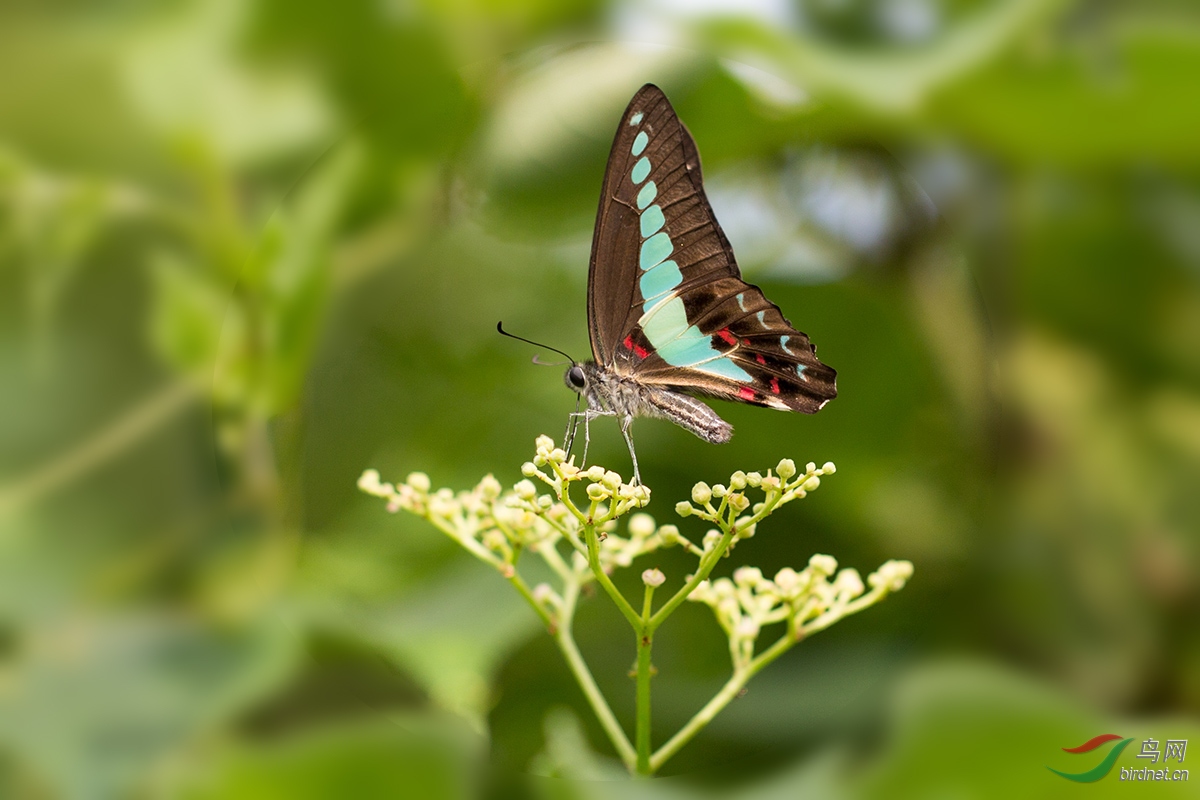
669, 315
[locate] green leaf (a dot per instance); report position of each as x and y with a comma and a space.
90, 703
189, 316
402, 756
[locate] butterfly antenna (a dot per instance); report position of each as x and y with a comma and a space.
500, 328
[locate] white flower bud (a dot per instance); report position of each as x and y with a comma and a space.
545, 501
525, 490
701, 494
489, 488
595, 473
641, 525
653, 577
543, 443
669, 535
747, 577
612, 480
744, 528
737, 481
369, 481
786, 468
493, 540
892, 574
597, 491
739, 502
770, 483
829, 468
753, 479
710, 539
810, 467
746, 628
529, 469
849, 581
811, 483
418, 481
718, 491
788, 581
727, 606
823, 565
557, 455
683, 508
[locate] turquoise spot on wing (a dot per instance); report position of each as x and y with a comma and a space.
654, 250
783, 340
741, 298
761, 320
664, 322
652, 220
639, 143
688, 350
640, 170
646, 195
636, 118
659, 280
800, 371
725, 368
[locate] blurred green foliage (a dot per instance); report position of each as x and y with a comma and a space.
248, 249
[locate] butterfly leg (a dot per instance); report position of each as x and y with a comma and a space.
569, 433
626, 424
588, 416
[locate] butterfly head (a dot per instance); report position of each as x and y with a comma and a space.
576, 378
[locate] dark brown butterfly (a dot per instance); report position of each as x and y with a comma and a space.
668, 312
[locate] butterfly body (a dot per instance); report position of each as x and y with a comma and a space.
608, 392
669, 315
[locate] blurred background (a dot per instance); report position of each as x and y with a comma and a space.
249, 249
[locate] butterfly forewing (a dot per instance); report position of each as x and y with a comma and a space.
666, 302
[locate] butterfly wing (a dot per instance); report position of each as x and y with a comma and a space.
666, 301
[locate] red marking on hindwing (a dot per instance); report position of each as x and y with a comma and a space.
775, 385
758, 357
746, 342
637, 348
746, 393
727, 336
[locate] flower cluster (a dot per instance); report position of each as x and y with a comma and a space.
569, 517
807, 600
730, 508
496, 525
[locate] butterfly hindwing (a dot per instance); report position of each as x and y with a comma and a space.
666, 302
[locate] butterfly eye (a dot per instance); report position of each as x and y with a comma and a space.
575, 377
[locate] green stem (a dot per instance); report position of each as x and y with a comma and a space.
583, 676
593, 547
99, 448
523, 588
706, 568
730, 690
644, 669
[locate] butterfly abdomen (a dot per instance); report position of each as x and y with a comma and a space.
690, 413
630, 398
